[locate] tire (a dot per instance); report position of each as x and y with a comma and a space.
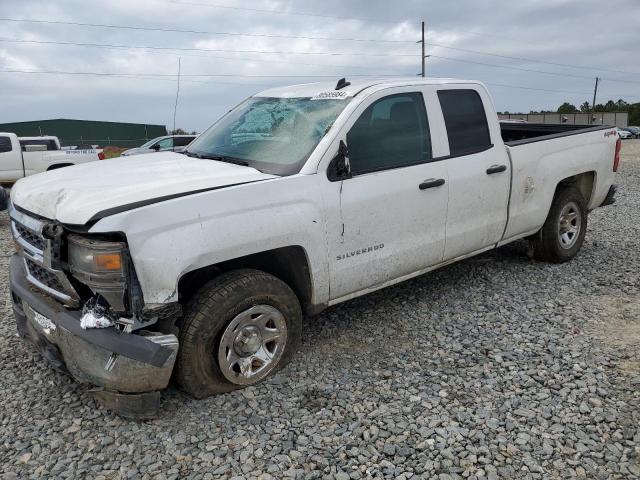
549, 244
225, 320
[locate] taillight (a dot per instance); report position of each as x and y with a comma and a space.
616, 158
101, 156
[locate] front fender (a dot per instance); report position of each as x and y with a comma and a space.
171, 238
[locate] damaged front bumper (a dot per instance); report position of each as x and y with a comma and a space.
129, 368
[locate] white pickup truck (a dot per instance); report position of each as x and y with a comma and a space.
24, 156
299, 198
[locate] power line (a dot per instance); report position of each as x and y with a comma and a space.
171, 78
619, 95
167, 51
183, 49
523, 59
196, 49
173, 75
530, 69
198, 32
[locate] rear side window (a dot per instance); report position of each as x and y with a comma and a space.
466, 121
392, 132
50, 144
5, 144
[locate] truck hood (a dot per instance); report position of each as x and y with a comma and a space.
79, 194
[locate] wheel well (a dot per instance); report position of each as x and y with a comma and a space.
289, 264
584, 182
59, 165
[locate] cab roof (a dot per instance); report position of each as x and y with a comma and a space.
356, 86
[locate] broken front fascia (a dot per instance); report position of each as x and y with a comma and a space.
103, 266
117, 297
90, 319
137, 364
97, 314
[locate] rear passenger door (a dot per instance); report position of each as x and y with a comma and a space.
479, 173
393, 209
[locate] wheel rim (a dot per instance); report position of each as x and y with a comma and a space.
252, 344
569, 225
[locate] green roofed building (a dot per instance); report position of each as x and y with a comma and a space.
88, 132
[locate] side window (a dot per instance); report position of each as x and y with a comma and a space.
392, 132
466, 121
165, 143
182, 141
5, 144
50, 144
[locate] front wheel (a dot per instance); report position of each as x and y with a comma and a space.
238, 329
562, 234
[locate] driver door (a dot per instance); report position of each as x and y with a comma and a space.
394, 208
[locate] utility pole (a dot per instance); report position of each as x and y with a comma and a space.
423, 57
593, 105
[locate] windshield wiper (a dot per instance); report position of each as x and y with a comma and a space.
219, 158
224, 158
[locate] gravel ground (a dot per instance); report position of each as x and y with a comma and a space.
497, 367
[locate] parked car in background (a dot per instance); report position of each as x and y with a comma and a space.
175, 143
635, 131
24, 156
624, 134
299, 198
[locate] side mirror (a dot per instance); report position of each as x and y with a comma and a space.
340, 168
155, 147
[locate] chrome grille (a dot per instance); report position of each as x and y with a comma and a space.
44, 276
31, 237
36, 251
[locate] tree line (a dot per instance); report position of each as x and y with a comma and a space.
610, 106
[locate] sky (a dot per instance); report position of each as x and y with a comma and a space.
543, 52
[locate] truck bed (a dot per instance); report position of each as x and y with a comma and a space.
542, 155
514, 134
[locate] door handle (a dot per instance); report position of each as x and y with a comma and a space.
432, 182
496, 169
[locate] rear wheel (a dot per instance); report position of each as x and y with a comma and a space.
563, 232
238, 329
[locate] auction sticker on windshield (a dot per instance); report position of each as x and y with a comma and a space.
330, 95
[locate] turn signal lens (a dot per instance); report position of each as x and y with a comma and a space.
108, 261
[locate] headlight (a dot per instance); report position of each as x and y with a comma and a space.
101, 266
95, 257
